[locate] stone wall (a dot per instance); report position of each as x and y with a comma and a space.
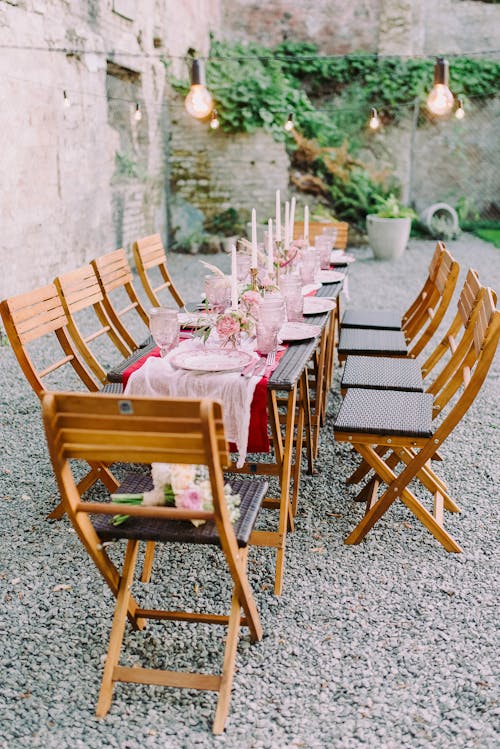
81, 180
212, 171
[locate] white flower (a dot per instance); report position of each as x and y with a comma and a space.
155, 497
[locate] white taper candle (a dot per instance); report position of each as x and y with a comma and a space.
306, 224
287, 225
254, 238
278, 216
234, 280
292, 220
270, 253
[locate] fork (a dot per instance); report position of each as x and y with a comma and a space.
271, 358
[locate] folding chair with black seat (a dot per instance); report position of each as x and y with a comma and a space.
393, 373
115, 278
150, 258
419, 327
37, 328
80, 293
166, 430
376, 421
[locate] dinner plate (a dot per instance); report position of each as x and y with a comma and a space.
211, 360
330, 276
340, 257
310, 287
315, 305
298, 331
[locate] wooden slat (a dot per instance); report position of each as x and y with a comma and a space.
209, 682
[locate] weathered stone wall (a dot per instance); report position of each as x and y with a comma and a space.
80, 181
213, 171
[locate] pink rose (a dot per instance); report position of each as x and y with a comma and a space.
228, 325
190, 498
251, 299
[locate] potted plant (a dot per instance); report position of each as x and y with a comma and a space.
389, 228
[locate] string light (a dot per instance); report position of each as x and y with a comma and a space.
289, 123
460, 113
214, 120
66, 100
138, 112
440, 99
374, 119
199, 102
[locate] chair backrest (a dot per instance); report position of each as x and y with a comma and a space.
36, 317
425, 290
468, 300
79, 290
150, 256
469, 365
109, 428
425, 320
316, 229
114, 273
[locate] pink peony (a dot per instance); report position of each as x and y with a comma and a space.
228, 325
250, 299
190, 499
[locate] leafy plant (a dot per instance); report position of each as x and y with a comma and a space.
391, 207
227, 223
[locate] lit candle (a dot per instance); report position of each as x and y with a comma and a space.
278, 216
287, 225
254, 238
234, 280
306, 224
292, 220
270, 255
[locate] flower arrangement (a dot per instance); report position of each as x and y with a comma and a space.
179, 485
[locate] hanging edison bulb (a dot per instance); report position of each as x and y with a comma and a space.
460, 113
66, 100
440, 99
214, 120
289, 123
138, 112
199, 102
374, 119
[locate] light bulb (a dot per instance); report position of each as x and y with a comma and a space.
289, 123
460, 113
138, 113
214, 121
199, 102
374, 119
440, 99
66, 100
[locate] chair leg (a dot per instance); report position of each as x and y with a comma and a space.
98, 472
364, 467
148, 562
227, 674
117, 630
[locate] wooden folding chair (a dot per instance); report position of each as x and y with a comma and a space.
115, 275
420, 325
377, 421
143, 430
316, 228
80, 291
37, 328
150, 257
384, 319
392, 373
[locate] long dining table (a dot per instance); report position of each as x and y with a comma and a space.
295, 412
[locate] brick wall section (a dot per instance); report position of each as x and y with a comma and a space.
213, 170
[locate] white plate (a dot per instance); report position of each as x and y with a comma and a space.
330, 276
298, 331
211, 360
341, 258
310, 287
315, 305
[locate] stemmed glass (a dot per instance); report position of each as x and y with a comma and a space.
164, 327
271, 317
217, 292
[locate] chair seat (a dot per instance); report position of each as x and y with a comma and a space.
251, 492
148, 342
385, 412
116, 374
382, 373
371, 318
112, 387
372, 342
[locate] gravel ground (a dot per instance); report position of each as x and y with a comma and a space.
388, 644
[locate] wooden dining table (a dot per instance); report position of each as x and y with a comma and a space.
294, 419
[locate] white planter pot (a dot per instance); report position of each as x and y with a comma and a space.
388, 236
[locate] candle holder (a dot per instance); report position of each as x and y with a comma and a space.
253, 274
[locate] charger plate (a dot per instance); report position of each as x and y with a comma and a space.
211, 360
298, 331
330, 276
315, 305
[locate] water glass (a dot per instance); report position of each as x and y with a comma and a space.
164, 327
331, 231
217, 292
243, 263
267, 338
291, 288
272, 315
323, 243
310, 265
